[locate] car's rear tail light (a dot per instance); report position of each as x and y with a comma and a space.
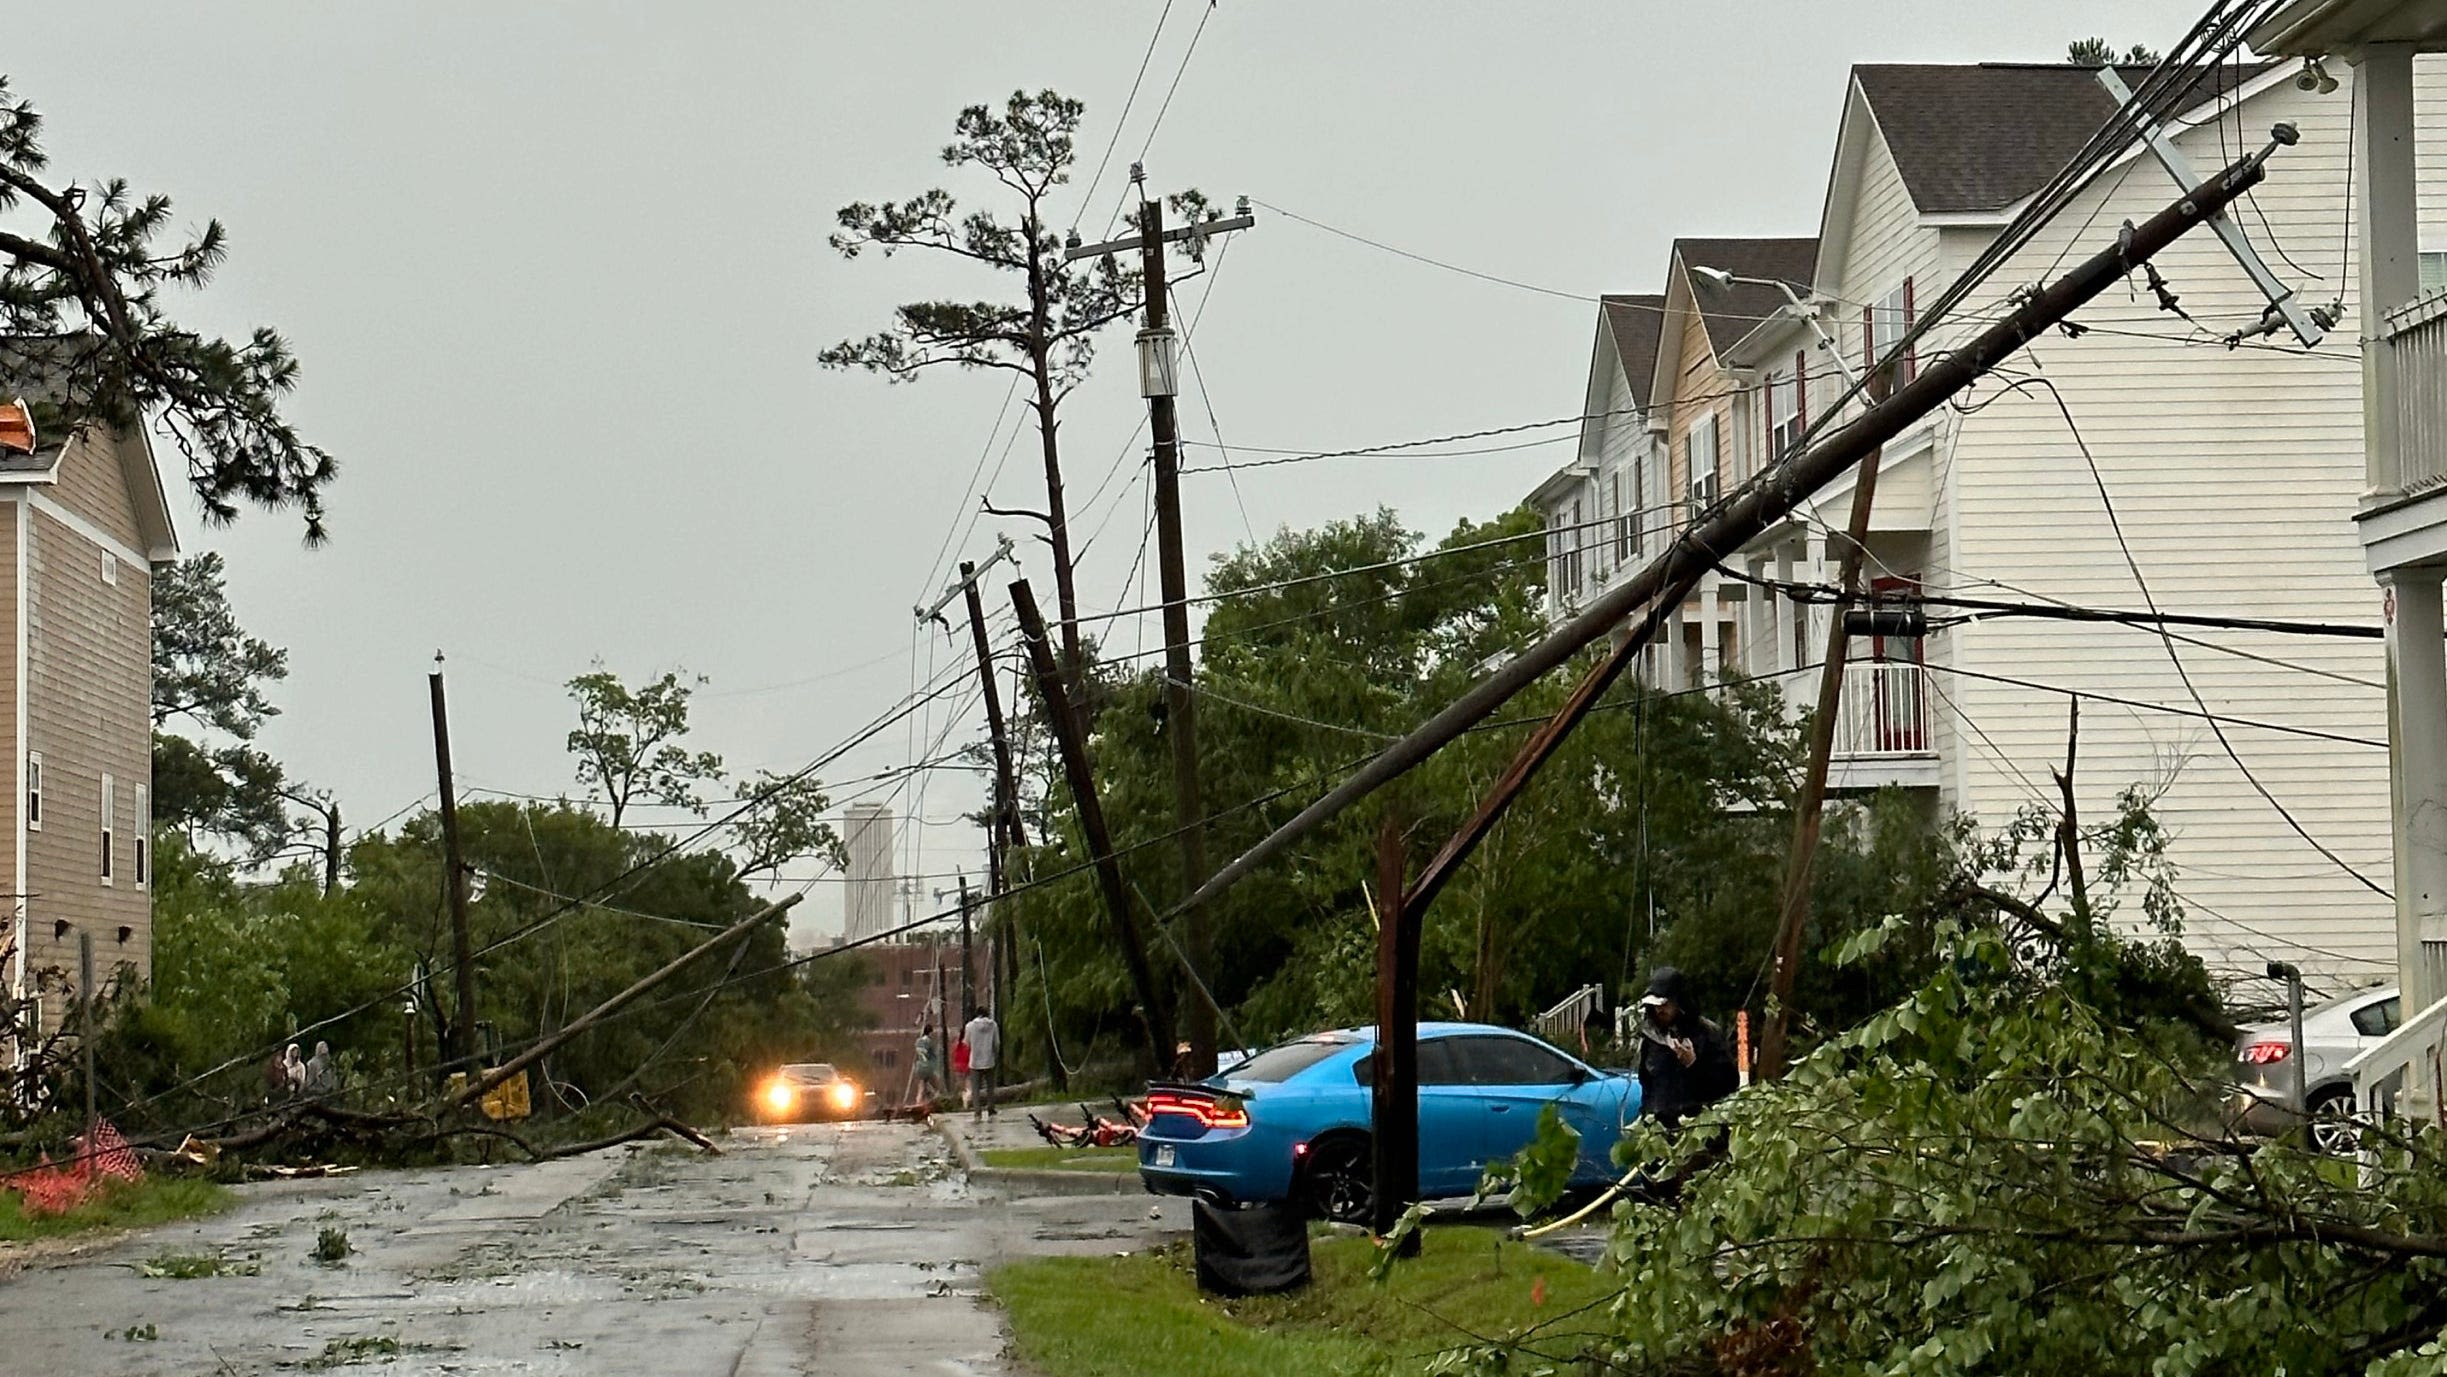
1200, 1109
2266, 1053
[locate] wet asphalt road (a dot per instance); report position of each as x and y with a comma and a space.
850, 1249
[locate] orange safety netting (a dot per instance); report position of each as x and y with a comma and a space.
50, 1189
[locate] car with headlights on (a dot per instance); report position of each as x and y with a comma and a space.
810, 1092
1290, 1124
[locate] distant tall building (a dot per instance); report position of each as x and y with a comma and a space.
867, 829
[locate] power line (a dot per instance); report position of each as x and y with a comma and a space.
1087, 192
2175, 658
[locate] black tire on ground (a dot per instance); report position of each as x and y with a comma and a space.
2331, 1127
1340, 1181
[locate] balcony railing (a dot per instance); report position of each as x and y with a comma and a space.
1885, 711
2417, 331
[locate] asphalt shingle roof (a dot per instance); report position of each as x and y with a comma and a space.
1732, 312
1636, 321
1981, 136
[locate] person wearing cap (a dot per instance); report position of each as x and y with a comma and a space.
1684, 1064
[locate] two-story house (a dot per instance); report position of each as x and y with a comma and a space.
83, 520
1593, 506
2139, 463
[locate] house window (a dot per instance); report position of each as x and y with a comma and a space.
1783, 416
33, 791
144, 836
1572, 548
2433, 270
1886, 323
1705, 454
110, 567
110, 824
1623, 515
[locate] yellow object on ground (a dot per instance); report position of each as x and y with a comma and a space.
507, 1100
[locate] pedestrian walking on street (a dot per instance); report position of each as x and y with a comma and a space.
927, 1072
960, 1070
984, 1039
1684, 1064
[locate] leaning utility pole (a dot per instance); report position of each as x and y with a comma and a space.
454, 882
1159, 383
1751, 509
1809, 809
1155, 1020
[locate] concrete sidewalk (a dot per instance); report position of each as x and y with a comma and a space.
970, 1135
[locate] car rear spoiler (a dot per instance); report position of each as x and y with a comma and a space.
1198, 1088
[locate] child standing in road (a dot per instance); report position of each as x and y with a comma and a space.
960, 1070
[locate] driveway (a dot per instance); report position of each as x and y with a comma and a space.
838, 1249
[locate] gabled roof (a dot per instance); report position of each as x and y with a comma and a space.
1980, 136
1634, 321
29, 368
1732, 312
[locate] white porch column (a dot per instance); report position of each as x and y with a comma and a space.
2417, 720
2391, 242
1709, 634
1669, 653
1814, 614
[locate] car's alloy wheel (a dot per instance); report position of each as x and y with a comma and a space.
1341, 1182
2333, 1130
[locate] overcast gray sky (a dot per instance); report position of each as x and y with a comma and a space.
557, 273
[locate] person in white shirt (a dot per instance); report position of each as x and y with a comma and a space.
985, 1044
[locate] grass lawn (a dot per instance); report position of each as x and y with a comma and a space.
1128, 1316
119, 1205
1062, 1159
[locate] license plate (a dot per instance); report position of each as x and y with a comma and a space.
1165, 1156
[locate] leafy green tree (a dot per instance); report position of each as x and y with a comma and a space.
84, 324
1048, 335
785, 823
628, 743
701, 1039
213, 678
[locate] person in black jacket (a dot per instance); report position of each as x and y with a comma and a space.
1684, 1063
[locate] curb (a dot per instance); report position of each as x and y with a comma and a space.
1031, 1180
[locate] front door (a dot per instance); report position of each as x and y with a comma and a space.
1450, 1128
1517, 1079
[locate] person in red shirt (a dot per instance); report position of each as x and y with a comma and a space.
960, 1069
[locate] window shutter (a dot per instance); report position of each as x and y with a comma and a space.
1911, 356
1869, 339
1801, 387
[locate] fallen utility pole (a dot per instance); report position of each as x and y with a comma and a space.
1159, 378
1751, 509
479, 1087
1155, 1021
462, 1053
1809, 809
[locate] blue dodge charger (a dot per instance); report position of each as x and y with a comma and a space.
1291, 1123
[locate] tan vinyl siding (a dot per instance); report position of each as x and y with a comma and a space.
2234, 476
1700, 388
88, 695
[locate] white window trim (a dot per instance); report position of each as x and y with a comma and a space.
1706, 426
110, 831
33, 791
110, 568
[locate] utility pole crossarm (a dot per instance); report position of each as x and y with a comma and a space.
967, 582
2281, 296
1133, 244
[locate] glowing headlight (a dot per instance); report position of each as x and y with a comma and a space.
845, 1095
780, 1096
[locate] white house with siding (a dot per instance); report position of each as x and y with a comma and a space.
2231, 475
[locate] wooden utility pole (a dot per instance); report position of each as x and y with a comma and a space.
968, 954
1809, 809
1394, 1098
1155, 1020
454, 883
1180, 705
1750, 511
1159, 378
